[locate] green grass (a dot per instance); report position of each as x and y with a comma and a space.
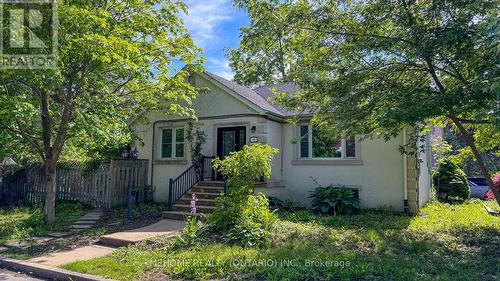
444, 242
24, 222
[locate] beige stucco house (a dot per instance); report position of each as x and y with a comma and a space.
231, 116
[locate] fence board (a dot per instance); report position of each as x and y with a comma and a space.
106, 186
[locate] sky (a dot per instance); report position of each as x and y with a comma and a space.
214, 26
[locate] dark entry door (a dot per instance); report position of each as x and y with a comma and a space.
228, 140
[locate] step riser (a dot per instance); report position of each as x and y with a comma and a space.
208, 190
199, 202
210, 183
188, 209
212, 196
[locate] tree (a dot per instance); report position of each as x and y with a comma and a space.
377, 66
114, 61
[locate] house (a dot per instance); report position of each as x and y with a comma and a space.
231, 115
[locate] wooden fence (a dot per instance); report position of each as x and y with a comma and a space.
106, 186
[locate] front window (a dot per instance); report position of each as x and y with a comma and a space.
172, 143
316, 144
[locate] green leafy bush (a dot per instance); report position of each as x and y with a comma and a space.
282, 205
240, 217
337, 200
450, 183
191, 234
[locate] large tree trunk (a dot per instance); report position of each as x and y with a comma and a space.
480, 161
50, 191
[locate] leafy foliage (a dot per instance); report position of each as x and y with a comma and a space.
114, 61
190, 234
25, 222
241, 217
245, 167
375, 67
282, 205
450, 183
337, 200
377, 245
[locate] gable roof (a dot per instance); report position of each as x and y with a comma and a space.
259, 96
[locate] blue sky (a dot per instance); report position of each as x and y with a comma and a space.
214, 25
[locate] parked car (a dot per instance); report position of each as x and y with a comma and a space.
478, 187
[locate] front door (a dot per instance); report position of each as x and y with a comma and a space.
228, 140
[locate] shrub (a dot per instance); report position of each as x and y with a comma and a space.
191, 233
450, 183
334, 200
240, 217
282, 205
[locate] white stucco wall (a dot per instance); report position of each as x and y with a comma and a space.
214, 109
377, 172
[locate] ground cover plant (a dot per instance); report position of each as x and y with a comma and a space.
443, 242
17, 227
23, 222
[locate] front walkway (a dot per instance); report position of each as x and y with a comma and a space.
164, 227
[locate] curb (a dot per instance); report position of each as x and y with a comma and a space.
44, 271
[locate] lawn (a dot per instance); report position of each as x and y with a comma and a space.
21, 223
444, 242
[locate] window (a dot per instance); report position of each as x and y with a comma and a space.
172, 143
315, 144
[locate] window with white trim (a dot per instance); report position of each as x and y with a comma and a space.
172, 143
315, 144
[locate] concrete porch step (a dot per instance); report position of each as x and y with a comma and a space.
211, 183
187, 208
202, 195
201, 201
208, 189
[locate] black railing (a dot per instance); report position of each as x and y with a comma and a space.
200, 170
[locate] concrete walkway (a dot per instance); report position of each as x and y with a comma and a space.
163, 227
74, 255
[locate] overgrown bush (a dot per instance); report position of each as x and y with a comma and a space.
191, 234
337, 200
240, 217
282, 205
450, 183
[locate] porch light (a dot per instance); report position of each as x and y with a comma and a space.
125, 154
134, 154
253, 129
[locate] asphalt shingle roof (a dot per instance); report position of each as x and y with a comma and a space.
259, 96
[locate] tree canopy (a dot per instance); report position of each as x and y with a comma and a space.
377, 66
114, 60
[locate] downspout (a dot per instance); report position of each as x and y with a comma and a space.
153, 156
282, 150
405, 177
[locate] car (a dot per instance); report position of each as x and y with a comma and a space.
478, 187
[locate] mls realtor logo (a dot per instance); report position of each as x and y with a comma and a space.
28, 37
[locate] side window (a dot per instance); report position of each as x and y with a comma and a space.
179, 143
166, 143
304, 141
